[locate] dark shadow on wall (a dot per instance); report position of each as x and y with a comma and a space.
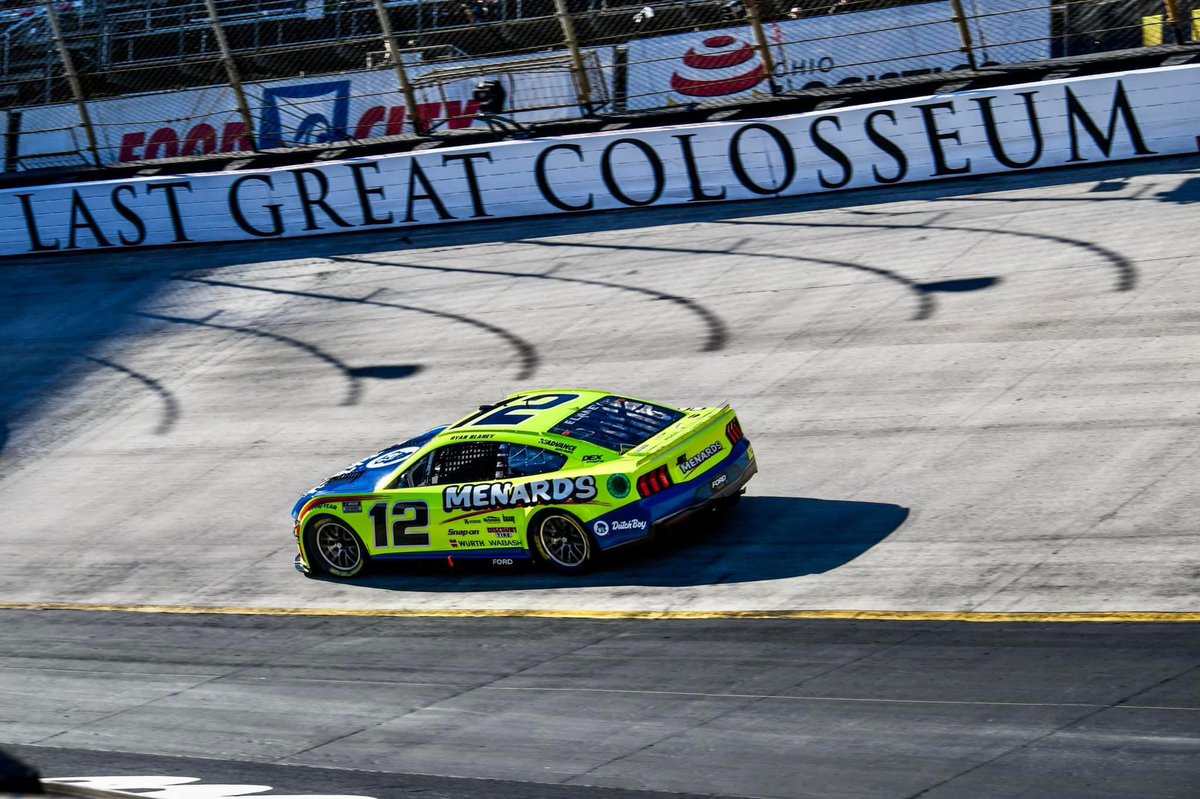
763, 538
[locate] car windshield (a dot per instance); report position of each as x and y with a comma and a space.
423, 439
617, 423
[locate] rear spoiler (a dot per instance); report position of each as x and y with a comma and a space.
682, 430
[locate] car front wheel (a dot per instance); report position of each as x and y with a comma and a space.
333, 548
562, 542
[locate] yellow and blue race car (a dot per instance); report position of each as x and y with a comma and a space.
558, 476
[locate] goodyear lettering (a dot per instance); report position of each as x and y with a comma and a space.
687, 464
507, 495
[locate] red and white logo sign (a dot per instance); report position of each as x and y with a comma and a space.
719, 66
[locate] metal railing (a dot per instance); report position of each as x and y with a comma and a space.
148, 79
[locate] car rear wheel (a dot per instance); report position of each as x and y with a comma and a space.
562, 542
333, 548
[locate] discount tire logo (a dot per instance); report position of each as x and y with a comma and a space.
720, 65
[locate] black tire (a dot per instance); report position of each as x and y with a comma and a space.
334, 548
561, 540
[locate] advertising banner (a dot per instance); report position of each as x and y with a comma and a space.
289, 112
1053, 123
827, 50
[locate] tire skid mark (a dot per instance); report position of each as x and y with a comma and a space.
354, 384
170, 405
717, 336
527, 353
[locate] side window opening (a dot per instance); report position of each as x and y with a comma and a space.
470, 462
417, 474
479, 462
521, 460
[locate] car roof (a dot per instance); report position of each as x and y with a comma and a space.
537, 422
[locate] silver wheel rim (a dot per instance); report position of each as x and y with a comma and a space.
563, 541
338, 546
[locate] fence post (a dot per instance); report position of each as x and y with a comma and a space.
406, 89
964, 32
231, 72
85, 118
583, 86
760, 41
1175, 20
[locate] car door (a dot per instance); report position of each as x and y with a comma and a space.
415, 520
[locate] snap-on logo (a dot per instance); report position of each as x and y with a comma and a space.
721, 65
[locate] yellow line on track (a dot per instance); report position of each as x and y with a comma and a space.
854, 615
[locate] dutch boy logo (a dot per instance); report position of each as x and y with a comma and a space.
310, 113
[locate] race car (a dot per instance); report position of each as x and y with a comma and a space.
558, 476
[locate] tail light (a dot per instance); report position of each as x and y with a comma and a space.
733, 431
653, 482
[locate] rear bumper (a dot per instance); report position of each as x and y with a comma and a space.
642, 519
725, 482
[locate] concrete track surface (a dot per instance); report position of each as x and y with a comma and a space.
978, 396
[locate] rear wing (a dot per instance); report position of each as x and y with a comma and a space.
699, 430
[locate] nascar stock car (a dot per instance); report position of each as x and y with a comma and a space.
558, 476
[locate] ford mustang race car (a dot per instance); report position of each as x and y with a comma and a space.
558, 476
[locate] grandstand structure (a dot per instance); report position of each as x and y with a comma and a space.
124, 46
118, 48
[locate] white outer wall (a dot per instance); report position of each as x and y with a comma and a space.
1164, 110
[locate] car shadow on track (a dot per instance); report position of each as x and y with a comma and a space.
763, 538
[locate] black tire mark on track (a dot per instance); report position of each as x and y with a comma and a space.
170, 405
354, 386
1127, 275
527, 353
716, 339
926, 305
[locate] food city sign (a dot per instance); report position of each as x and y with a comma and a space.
1054, 123
291, 112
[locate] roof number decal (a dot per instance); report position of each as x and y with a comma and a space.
517, 413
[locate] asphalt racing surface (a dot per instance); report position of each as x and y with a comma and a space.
541, 708
968, 400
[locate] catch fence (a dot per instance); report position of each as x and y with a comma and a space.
111, 81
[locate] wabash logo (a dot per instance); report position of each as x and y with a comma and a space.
721, 65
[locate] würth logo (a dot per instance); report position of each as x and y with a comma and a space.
721, 65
